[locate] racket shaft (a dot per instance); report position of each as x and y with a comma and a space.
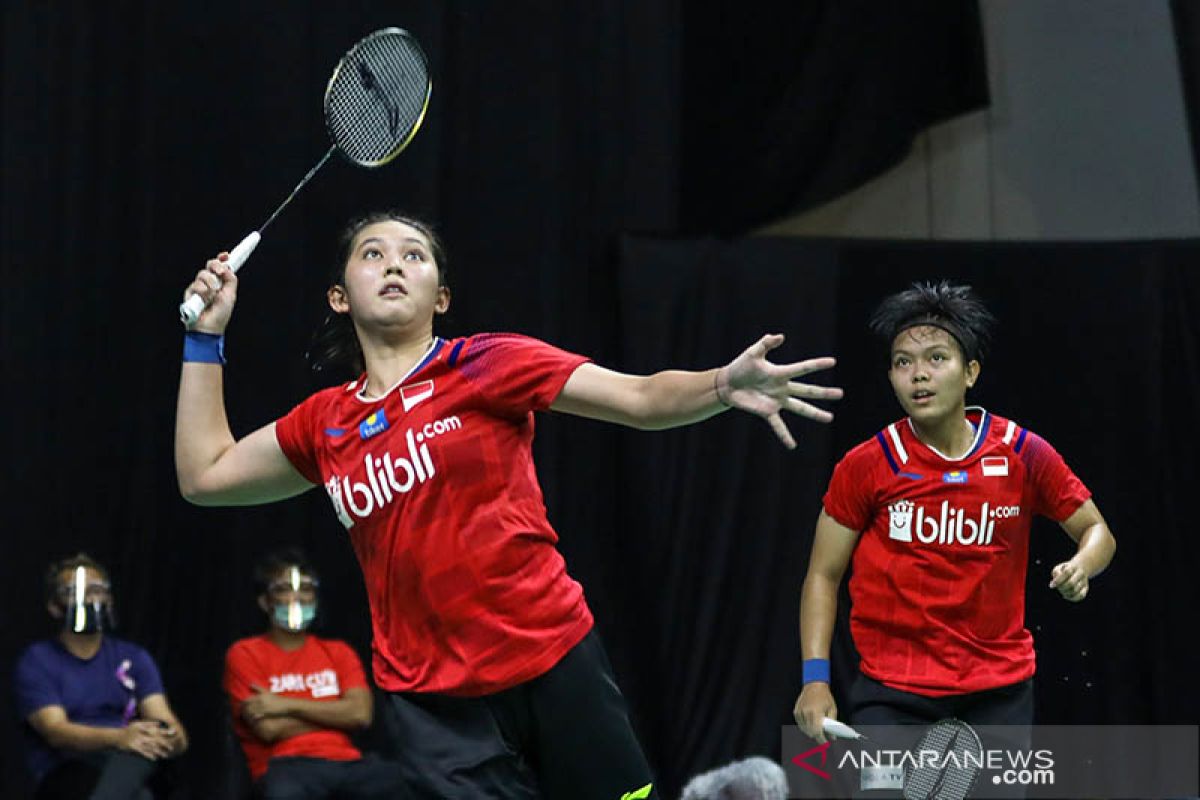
191, 309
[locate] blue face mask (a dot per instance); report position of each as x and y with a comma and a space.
294, 616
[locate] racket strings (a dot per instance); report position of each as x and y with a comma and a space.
955, 776
377, 99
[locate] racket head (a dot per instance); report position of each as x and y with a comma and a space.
377, 97
953, 779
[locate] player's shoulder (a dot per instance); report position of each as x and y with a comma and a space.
1008, 436
872, 451
465, 349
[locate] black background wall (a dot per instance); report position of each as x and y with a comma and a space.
138, 140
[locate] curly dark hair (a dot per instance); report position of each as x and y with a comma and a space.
956, 309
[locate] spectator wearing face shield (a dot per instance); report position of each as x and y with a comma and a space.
96, 719
296, 698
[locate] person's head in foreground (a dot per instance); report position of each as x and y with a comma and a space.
754, 778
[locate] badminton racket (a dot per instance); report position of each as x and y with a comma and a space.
950, 773
374, 104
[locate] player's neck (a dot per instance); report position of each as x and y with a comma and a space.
387, 362
952, 436
81, 645
287, 640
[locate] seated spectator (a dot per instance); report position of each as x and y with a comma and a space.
296, 697
755, 778
96, 720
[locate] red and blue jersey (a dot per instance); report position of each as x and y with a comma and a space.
937, 587
436, 486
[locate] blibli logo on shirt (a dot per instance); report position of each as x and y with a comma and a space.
388, 476
950, 526
373, 425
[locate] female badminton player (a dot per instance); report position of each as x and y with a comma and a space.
934, 511
498, 687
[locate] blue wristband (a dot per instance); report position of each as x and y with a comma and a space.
816, 669
206, 348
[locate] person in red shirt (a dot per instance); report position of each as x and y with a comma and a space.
934, 512
498, 686
295, 697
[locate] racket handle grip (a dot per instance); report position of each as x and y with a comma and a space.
839, 730
191, 309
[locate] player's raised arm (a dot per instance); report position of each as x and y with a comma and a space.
673, 398
212, 467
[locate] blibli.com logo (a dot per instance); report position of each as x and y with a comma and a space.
951, 525
388, 476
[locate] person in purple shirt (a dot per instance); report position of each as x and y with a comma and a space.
96, 718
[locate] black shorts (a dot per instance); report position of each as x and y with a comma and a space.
300, 778
564, 735
872, 703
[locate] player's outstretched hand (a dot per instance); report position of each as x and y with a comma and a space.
217, 284
752, 383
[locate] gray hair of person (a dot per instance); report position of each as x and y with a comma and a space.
754, 778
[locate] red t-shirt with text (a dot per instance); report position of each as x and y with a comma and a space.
937, 588
321, 670
435, 484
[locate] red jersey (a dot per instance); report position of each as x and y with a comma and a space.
435, 484
938, 584
321, 669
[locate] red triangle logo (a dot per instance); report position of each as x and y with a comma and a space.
823, 751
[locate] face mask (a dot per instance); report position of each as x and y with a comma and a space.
294, 616
87, 608
94, 617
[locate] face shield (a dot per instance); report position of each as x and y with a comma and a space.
293, 600
87, 604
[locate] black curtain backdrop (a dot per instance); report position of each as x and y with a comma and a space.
138, 139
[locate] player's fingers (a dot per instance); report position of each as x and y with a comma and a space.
764, 345
224, 272
199, 287
781, 431
807, 410
804, 718
811, 391
798, 714
800, 368
209, 279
